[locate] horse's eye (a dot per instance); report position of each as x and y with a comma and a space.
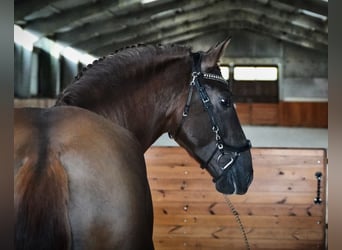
225, 102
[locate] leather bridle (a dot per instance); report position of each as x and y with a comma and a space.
221, 147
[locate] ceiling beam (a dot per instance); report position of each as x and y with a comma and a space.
110, 28
269, 28
145, 28
317, 6
24, 8
113, 23
254, 27
243, 25
106, 23
51, 24
181, 25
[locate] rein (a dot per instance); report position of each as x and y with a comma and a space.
238, 220
221, 146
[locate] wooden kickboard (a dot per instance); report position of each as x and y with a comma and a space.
278, 211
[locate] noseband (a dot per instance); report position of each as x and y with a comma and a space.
221, 148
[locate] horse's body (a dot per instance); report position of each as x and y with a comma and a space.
80, 177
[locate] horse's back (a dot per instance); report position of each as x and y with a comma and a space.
108, 198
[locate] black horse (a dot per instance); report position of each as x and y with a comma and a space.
79, 174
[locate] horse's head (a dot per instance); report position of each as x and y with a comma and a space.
210, 129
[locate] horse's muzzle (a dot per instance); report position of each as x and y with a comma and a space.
229, 184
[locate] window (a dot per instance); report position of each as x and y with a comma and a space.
225, 72
255, 73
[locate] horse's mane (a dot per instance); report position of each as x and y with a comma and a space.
125, 66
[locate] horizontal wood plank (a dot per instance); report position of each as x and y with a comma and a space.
221, 208
228, 220
261, 183
229, 232
255, 198
166, 243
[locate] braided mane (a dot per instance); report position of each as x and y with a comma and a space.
80, 73
129, 65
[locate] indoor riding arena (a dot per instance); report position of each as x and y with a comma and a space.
275, 69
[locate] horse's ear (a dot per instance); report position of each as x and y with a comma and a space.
212, 56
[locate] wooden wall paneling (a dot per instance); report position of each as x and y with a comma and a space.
264, 114
258, 113
244, 111
320, 111
310, 114
278, 211
292, 114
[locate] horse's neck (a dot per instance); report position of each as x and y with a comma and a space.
146, 118
154, 109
